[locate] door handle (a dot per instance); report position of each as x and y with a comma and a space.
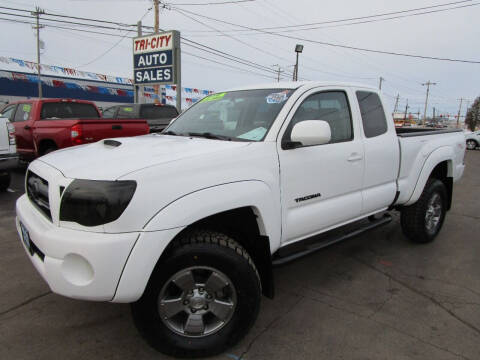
354, 157
116, 127
27, 127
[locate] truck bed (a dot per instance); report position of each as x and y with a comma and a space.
417, 146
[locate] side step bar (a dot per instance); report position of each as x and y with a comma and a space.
374, 223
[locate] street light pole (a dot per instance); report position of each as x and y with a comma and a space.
298, 50
382, 79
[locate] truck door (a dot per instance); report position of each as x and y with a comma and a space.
382, 153
23, 129
321, 185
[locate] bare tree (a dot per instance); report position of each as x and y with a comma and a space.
473, 115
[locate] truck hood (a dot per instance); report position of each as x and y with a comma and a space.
100, 161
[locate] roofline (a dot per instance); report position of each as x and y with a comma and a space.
294, 85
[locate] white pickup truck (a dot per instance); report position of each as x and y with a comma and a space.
186, 225
8, 152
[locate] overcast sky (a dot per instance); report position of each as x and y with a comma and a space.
452, 34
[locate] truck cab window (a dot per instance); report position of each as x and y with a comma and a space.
68, 110
331, 107
109, 113
373, 114
8, 112
23, 112
126, 112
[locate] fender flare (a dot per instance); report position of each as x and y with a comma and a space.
444, 153
219, 198
169, 221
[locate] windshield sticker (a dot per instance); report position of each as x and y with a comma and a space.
127, 109
277, 98
26, 107
255, 134
213, 97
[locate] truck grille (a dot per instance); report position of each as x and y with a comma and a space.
37, 192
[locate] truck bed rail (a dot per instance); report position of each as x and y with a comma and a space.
420, 132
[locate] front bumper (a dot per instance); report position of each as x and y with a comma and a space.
74, 263
8, 161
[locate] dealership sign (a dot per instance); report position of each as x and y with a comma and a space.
155, 58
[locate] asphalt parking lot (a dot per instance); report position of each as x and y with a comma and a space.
376, 296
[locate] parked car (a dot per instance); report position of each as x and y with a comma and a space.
42, 126
8, 155
186, 225
158, 116
473, 140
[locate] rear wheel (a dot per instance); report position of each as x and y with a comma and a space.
422, 221
5, 179
471, 144
201, 299
48, 150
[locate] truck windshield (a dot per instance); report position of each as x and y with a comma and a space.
238, 115
68, 110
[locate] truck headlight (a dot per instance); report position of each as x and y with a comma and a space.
94, 202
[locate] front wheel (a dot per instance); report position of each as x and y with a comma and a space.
200, 300
471, 144
422, 221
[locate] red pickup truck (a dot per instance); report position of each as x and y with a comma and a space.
42, 126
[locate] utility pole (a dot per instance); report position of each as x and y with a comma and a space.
279, 71
37, 27
433, 118
157, 16
380, 84
396, 103
156, 26
406, 110
427, 84
136, 92
459, 111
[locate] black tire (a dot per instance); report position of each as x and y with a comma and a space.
471, 144
414, 217
5, 179
200, 248
48, 150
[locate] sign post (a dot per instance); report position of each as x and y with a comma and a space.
156, 61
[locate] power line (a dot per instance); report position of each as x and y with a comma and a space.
68, 22
247, 32
72, 17
233, 38
214, 3
256, 65
61, 27
192, 43
359, 18
225, 55
227, 65
336, 45
114, 45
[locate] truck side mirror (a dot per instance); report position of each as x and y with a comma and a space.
311, 132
